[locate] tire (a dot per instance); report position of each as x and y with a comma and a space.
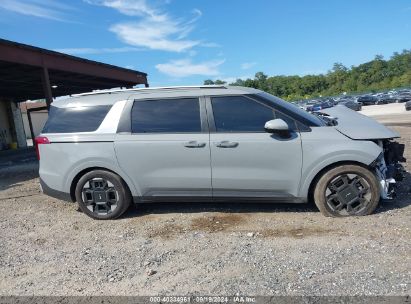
102, 195
347, 190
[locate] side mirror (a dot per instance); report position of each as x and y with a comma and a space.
276, 126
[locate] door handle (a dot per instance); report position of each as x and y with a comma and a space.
227, 144
194, 144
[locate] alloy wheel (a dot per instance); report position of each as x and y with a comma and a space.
100, 196
348, 194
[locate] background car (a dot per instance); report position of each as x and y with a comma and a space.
404, 97
387, 98
408, 105
353, 105
366, 100
320, 106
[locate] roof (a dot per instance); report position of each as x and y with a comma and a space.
22, 67
112, 96
170, 88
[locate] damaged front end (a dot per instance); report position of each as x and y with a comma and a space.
388, 168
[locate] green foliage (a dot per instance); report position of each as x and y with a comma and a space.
211, 82
375, 75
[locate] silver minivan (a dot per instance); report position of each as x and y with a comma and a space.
107, 149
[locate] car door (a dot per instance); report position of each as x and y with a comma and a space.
167, 153
247, 161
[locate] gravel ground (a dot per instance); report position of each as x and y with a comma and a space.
47, 247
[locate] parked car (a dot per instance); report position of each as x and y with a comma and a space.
403, 97
406, 91
106, 150
319, 106
331, 101
387, 98
408, 105
353, 105
366, 100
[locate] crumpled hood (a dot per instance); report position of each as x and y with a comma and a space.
358, 126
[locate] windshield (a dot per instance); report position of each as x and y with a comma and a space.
310, 119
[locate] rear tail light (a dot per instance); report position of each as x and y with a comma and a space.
40, 140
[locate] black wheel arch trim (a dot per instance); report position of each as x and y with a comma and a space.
77, 177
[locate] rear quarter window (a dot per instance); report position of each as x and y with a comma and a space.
76, 119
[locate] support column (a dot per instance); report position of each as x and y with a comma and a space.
30, 126
45, 79
18, 125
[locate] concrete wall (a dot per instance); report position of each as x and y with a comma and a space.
11, 125
18, 125
38, 119
5, 128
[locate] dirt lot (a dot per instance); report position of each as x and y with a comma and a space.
47, 247
385, 109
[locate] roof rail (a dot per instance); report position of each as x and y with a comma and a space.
96, 92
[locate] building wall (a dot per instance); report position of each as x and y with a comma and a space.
19, 134
11, 126
5, 127
38, 119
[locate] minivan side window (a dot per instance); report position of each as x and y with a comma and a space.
180, 115
75, 119
241, 114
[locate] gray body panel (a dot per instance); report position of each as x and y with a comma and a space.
325, 146
159, 165
63, 159
260, 162
359, 126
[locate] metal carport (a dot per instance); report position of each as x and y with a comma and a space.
28, 72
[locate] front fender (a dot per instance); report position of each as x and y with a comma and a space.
326, 146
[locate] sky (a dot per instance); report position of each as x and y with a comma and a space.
184, 42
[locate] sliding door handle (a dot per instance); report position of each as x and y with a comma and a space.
227, 144
194, 144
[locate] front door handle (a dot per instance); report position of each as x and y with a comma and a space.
227, 144
194, 144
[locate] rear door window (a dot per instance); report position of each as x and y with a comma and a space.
75, 119
181, 115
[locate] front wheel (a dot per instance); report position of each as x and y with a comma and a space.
102, 195
347, 190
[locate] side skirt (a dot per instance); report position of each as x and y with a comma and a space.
219, 199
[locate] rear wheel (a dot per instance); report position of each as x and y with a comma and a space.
102, 195
347, 190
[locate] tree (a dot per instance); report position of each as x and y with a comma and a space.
219, 82
211, 82
377, 74
239, 82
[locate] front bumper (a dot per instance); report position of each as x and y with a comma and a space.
388, 169
54, 193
